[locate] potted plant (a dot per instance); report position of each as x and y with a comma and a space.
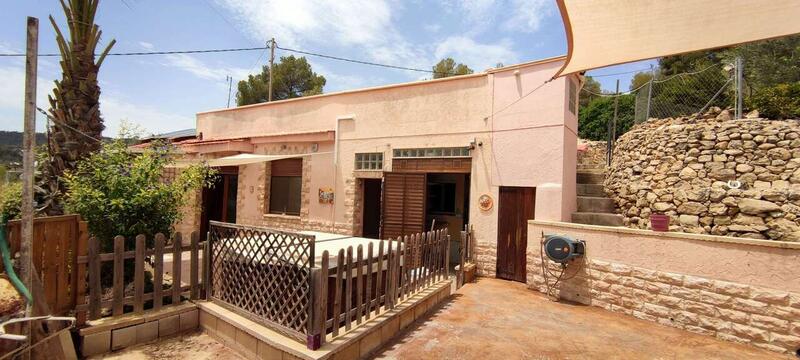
659, 222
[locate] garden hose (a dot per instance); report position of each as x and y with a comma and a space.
7, 264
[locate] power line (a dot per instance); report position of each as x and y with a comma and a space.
619, 73
397, 67
59, 123
142, 53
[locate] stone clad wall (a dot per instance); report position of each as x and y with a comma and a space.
729, 293
681, 167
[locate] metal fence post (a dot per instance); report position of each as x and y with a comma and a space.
739, 78
650, 91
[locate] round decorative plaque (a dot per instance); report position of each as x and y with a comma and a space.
485, 202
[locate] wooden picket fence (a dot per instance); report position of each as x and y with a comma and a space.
141, 256
466, 253
359, 286
58, 242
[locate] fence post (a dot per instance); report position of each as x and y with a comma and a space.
138, 283
739, 78
207, 266
81, 269
119, 270
194, 263
177, 246
93, 266
312, 326
650, 91
158, 269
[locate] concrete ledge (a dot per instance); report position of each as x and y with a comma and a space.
671, 235
252, 339
115, 333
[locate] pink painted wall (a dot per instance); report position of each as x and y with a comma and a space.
529, 143
760, 263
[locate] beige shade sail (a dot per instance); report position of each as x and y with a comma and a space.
242, 159
609, 32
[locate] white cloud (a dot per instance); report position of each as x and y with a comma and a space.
344, 22
116, 110
12, 97
202, 70
146, 45
528, 15
476, 55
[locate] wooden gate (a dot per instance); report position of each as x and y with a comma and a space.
403, 204
515, 208
58, 241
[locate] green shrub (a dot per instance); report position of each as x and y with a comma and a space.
122, 193
781, 101
593, 119
11, 200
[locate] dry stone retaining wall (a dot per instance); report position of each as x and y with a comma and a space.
682, 167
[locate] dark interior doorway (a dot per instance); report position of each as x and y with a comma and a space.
219, 201
371, 219
515, 208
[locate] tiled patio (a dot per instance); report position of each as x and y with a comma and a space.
496, 319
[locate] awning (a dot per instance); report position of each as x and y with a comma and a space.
242, 159
608, 32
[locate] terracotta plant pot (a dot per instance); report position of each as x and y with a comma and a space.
659, 222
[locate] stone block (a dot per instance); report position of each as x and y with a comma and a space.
96, 344
699, 308
768, 346
733, 289
769, 323
122, 338
207, 321
246, 343
189, 320
669, 301
370, 342
267, 352
749, 332
406, 318
770, 296
732, 338
694, 282
390, 329
670, 278
146, 332
750, 306
656, 310
350, 352
734, 315
169, 325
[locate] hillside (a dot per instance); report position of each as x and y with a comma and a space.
11, 145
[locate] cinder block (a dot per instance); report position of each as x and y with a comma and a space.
207, 321
267, 352
96, 344
246, 343
406, 318
189, 320
168, 326
390, 329
146, 332
226, 332
348, 353
122, 338
370, 342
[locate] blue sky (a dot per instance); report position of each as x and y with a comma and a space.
162, 93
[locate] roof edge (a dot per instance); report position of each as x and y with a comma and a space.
390, 86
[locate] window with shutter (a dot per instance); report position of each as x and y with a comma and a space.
286, 186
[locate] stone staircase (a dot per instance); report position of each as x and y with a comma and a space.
594, 207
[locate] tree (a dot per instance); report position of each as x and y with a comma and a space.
640, 79
590, 87
593, 119
122, 193
75, 102
293, 78
447, 67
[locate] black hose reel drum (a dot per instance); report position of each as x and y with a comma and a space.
562, 249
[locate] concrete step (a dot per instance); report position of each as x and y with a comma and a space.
590, 167
590, 177
595, 204
602, 219
591, 190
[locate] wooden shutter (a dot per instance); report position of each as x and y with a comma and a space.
403, 204
287, 167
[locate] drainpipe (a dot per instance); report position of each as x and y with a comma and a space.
336, 163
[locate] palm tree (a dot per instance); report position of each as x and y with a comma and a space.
74, 106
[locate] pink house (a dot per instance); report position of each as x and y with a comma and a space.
492, 150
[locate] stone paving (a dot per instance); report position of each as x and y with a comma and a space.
496, 319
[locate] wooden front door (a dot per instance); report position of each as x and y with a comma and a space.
515, 208
403, 204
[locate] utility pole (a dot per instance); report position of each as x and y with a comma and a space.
271, 65
28, 144
230, 82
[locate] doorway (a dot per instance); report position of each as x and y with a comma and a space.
371, 217
219, 201
515, 208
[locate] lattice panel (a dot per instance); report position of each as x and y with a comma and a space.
264, 273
